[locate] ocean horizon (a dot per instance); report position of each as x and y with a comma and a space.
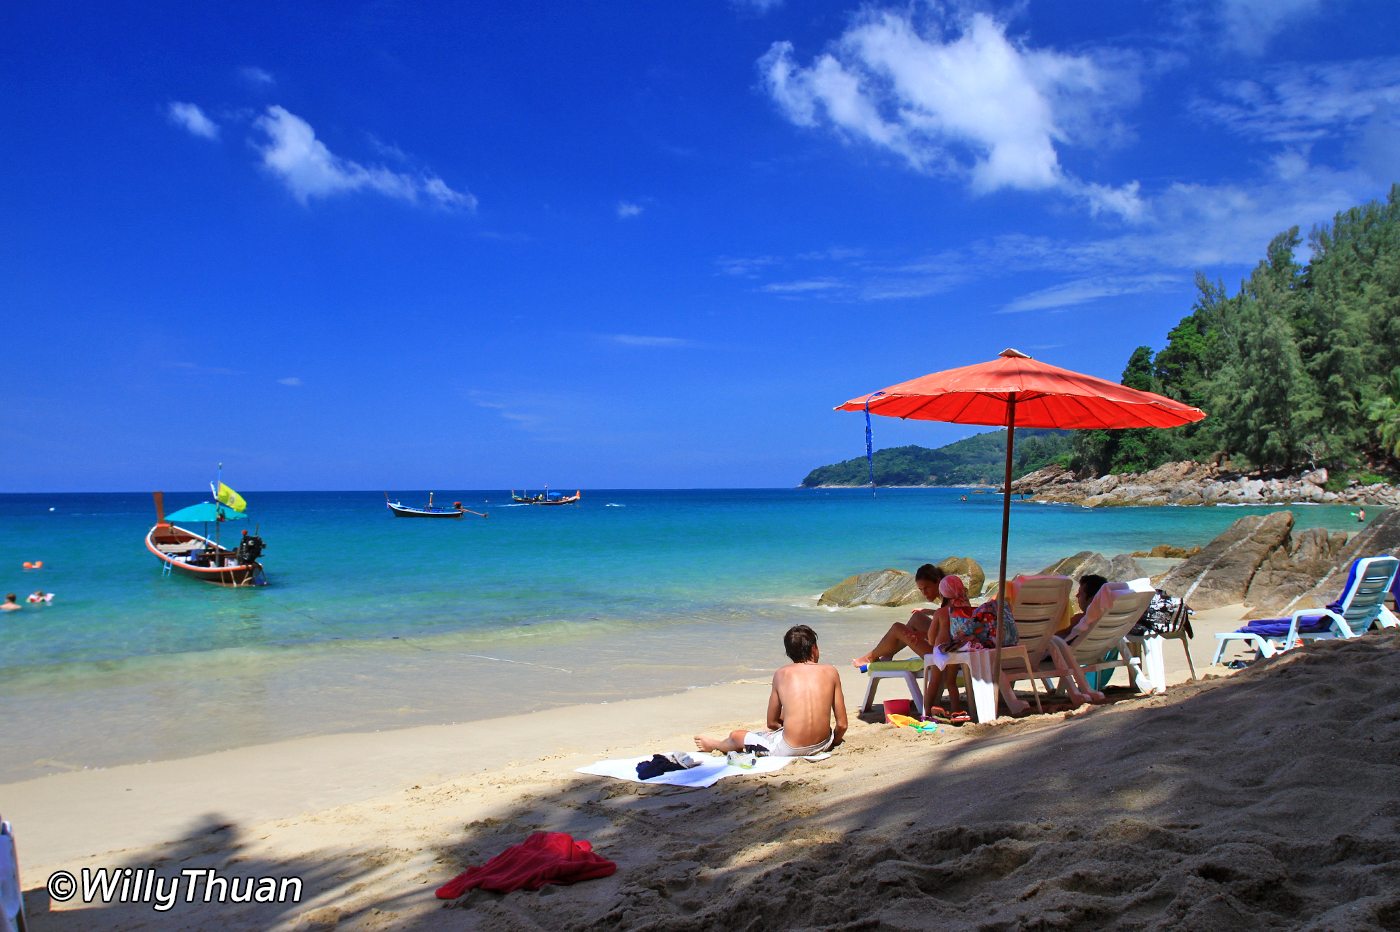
371, 621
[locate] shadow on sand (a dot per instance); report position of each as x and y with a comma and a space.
1265, 800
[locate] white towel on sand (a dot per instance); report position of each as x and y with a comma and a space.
710, 771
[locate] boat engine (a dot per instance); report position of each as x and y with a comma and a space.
249, 549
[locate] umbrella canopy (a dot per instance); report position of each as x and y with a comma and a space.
1013, 391
1043, 396
206, 511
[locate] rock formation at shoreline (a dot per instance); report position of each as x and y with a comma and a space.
1122, 566
896, 587
1188, 483
1258, 561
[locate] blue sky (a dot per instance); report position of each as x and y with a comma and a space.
471, 245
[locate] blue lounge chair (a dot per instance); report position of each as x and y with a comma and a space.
11, 892
1360, 608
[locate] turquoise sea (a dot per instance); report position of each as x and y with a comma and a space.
372, 621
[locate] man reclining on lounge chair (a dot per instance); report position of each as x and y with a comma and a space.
806, 696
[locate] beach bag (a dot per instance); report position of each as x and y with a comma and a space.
1157, 619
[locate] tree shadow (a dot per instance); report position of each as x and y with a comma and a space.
1263, 800
211, 843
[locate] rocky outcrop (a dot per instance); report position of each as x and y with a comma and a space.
1222, 572
1119, 568
1257, 560
879, 587
969, 570
1380, 537
1294, 568
1188, 483
896, 587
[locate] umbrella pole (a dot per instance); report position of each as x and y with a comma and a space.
1005, 530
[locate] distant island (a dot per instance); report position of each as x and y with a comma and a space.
977, 460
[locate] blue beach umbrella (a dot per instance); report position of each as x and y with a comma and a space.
206, 512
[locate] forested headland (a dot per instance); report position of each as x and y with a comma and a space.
977, 460
1297, 369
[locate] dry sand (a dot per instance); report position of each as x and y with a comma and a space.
1266, 799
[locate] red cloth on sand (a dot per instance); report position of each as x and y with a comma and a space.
544, 857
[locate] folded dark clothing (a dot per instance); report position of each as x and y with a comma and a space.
659, 764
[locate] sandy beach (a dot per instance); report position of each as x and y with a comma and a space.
1260, 799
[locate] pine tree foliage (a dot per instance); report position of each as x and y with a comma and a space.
1300, 368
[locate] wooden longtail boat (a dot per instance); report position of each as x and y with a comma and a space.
544, 498
182, 551
401, 510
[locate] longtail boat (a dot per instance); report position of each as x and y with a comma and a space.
198, 556
545, 498
430, 510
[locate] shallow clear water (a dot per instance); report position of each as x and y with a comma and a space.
372, 621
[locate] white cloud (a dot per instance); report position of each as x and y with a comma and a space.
1249, 25
1086, 290
971, 103
516, 410
1299, 104
1184, 228
302, 162
626, 210
191, 118
803, 286
645, 342
290, 381
761, 7
745, 266
257, 77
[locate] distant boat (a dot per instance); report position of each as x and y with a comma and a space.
430, 510
545, 498
197, 556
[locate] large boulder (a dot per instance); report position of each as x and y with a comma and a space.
1221, 573
879, 587
969, 570
1294, 568
1379, 538
1120, 568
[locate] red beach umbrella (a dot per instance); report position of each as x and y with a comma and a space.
1013, 391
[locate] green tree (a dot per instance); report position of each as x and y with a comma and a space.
1384, 412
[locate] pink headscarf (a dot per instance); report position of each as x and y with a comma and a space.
953, 590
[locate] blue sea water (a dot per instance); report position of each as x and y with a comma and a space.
374, 621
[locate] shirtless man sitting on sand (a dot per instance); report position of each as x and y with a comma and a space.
806, 696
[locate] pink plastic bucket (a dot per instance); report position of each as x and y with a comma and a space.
898, 707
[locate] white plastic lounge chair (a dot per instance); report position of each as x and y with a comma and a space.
1360, 608
11, 893
1105, 626
1038, 606
1091, 640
